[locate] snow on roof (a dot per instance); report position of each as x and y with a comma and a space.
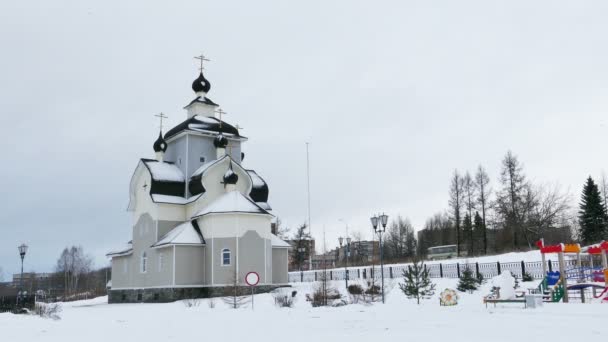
205, 166
264, 205
232, 202
183, 234
277, 242
158, 198
257, 181
125, 250
163, 171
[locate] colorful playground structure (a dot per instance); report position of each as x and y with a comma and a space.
578, 280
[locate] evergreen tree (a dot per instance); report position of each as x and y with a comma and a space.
468, 281
417, 282
592, 215
478, 234
467, 232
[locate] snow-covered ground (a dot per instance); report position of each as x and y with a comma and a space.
400, 319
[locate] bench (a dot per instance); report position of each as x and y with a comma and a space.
498, 301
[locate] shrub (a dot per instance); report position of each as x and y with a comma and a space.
47, 310
192, 302
283, 298
355, 289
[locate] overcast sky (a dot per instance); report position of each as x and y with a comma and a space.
392, 96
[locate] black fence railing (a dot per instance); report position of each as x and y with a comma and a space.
15, 303
436, 270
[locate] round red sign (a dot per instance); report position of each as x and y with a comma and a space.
252, 278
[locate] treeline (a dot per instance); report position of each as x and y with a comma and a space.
511, 214
73, 278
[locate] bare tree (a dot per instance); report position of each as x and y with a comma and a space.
482, 183
73, 263
456, 205
400, 240
278, 229
514, 198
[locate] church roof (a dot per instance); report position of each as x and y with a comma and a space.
125, 250
167, 179
202, 99
259, 188
277, 242
163, 171
199, 123
231, 202
187, 233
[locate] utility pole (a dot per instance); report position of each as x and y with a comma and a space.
311, 251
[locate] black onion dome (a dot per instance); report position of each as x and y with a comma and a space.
160, 144
201, 84
230, 177
220, 141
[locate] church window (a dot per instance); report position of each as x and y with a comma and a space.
179, 161
144, 262
202, 159
160, 262
225, 257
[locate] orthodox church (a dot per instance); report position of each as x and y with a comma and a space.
201, 219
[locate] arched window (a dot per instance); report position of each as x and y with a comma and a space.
225, 257
144, 262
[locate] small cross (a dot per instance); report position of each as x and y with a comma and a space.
221, 112
202, 59
161, 116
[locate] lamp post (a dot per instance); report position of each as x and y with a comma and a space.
22, 251
346, 255
379, 229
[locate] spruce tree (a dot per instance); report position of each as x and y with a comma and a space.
468, 281
467, 230
478, 234
592, 215
417, 282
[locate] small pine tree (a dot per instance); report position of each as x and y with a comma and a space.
417, 282
468, 281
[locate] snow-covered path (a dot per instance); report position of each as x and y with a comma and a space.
399, 319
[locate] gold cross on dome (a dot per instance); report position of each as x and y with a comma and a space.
202, 58
161, 116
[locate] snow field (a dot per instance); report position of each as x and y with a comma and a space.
399, 319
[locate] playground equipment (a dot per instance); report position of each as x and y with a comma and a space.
555, 286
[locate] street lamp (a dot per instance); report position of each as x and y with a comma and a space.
301, 251
379, 229
22, 251
346, 255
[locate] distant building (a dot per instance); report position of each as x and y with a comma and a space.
327, 260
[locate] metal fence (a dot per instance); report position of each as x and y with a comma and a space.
436, 270
14, 303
